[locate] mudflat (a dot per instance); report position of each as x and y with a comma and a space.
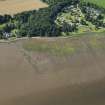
77, 79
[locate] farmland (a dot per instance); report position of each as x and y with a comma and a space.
17, 6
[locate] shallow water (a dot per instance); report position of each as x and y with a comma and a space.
78, 80
84, 94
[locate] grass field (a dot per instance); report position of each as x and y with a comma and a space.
100, 3
38, 71
17, 6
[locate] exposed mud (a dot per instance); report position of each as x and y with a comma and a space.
74, 80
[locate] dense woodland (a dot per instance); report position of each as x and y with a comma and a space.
42, 22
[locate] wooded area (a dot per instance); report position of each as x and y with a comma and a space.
42, 22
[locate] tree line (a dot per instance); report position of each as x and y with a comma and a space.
37, 22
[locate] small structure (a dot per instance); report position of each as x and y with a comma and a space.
6, 35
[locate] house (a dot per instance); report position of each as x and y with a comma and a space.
6, 35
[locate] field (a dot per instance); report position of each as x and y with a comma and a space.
53, 71
100, 3
17, 6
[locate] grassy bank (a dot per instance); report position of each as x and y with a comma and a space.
64, 46
53, 47
100, 3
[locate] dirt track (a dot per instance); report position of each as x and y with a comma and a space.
78, 80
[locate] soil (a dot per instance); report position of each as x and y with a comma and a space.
17, 6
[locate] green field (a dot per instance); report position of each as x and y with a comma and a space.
100, 3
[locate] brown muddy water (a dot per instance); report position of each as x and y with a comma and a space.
78, 79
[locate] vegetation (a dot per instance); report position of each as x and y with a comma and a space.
56, 47
55, 20
63, 47
100, 3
